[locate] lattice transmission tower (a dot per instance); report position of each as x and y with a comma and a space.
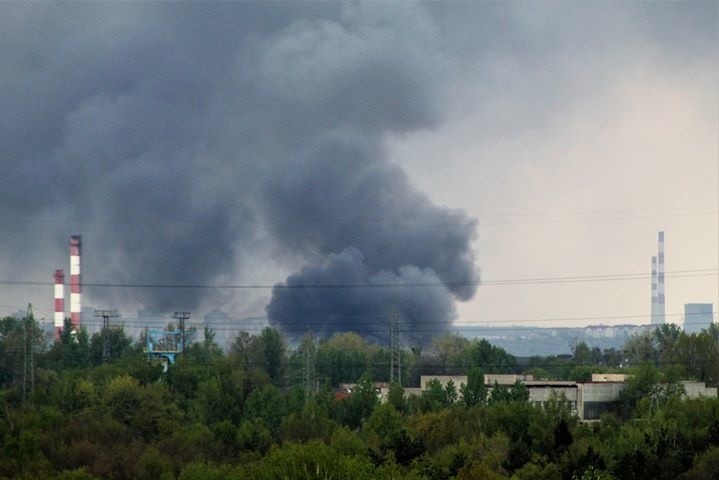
106, 316
29, 339
395, 373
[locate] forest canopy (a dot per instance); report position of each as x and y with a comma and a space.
263, 409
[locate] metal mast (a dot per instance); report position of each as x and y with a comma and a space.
308, 364
181, 318
395, 372
28, 384
106, 315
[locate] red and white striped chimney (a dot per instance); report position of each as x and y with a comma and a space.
75, 283
59, 321
660, 280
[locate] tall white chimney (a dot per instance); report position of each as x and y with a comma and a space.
660, 281
654, 291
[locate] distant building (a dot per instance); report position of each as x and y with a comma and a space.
697, 316
588, 400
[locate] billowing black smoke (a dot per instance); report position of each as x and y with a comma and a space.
182, 139
343, 294
368, 226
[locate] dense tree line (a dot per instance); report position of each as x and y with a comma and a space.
248, 412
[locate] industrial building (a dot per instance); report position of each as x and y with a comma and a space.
697, 317
588, 400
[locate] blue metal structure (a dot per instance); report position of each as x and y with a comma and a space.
163, 345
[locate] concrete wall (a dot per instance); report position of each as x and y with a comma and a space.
505, 379
588, 400
593, 399
698, 389
609, 377
443, 380
539, 393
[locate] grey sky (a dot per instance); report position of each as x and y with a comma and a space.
245, 143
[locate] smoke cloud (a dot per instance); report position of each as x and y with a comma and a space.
182, 139
387, 233
346, 296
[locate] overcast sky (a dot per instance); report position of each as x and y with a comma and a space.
346, 144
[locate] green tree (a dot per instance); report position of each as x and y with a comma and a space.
519, 392
152, 465
640, 348
119, 345
666, 337
475, 392
453, 352
344, 357
72, 350
11, 351
273, 350
361, 403
699, 355
485, 355
242, 351
639, 386
312, 461
396, 397
433, 397
706, 465
581, 354
450, 393
267, 405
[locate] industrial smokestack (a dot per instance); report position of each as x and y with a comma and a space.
59, 320
660, 280
654, 291
75, 283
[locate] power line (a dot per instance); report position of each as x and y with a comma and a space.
380, 319
517, 281
672, 211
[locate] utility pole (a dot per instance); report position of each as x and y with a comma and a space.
181, 318
395, 352
308, 367
28, 383
106, 315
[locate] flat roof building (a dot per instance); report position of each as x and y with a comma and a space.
588, 400
697, 317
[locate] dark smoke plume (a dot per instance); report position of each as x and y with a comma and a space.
181, 139
344, 295
387, 234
